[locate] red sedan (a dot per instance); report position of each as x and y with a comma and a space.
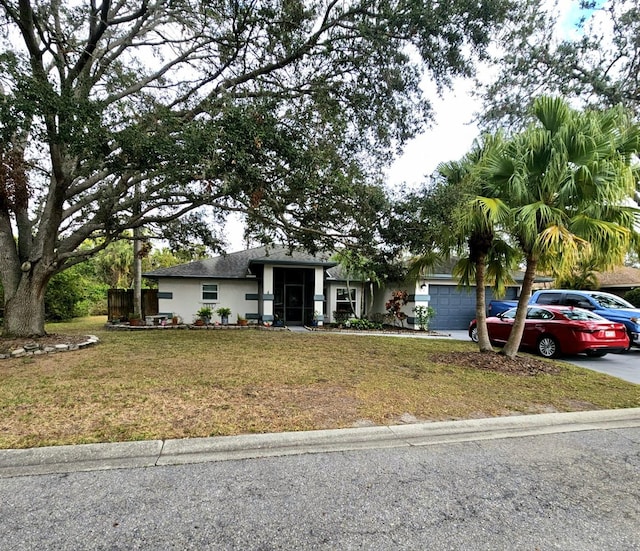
554, 330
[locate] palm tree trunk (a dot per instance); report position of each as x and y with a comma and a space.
481, 306
513, 344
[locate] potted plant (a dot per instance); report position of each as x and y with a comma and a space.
205, 314
317, 316
242, 320
134, 319
224, 314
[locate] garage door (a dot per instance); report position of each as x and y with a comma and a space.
456, 307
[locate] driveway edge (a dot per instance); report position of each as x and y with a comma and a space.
90, 457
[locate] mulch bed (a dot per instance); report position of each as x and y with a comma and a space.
493, 361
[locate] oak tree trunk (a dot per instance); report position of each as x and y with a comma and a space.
24, 307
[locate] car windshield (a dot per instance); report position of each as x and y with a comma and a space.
611, 301
582, 315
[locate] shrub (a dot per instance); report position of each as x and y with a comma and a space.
394, 305
341, 317
423, 316
377, 317
63, 293
633, 297
363, 324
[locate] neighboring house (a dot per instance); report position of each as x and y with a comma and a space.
619, 280
266, 284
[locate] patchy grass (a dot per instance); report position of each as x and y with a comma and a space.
175, 384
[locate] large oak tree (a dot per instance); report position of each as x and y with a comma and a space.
593, 61
168, 114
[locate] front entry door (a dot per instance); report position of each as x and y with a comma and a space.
294, 303
293, 295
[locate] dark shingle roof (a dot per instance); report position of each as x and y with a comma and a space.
622, 276
443, 271
236, 265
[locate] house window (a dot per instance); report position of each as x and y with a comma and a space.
346, 301
210, 292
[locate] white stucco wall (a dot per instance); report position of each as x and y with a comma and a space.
383, 295
187, 297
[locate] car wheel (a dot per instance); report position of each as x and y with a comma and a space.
474, 334
548, 347
630, 341
595, 353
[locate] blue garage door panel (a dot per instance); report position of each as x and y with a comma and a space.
456, 307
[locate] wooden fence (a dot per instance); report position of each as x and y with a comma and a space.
120, 303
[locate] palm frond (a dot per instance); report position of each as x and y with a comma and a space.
501, 261
552, 112
465, 271
424, 264
559, 249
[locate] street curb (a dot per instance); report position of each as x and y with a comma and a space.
83, 457
223, 448
90, 457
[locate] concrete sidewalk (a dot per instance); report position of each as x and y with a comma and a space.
89, 457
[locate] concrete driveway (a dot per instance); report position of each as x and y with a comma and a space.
625, 366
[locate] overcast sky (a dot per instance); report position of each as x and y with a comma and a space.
453, 132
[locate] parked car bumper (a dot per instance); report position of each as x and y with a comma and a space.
586, 342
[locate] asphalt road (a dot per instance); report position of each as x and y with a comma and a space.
567, 491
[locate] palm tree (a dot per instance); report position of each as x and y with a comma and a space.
582, 276
489, 259
486, 259
360, 268
565, 179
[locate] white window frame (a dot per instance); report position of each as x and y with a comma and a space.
209, 298
351, 305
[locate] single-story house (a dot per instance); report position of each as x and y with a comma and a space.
619, 280
263, 284
266, 284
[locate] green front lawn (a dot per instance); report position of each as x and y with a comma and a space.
175, 384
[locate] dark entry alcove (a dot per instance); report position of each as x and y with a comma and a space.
293, 295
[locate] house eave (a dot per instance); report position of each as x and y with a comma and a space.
197, 276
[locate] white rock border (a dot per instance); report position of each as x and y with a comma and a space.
35, 349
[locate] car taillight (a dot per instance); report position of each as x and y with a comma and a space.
585, 328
